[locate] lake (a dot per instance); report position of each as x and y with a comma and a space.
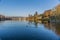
24, 30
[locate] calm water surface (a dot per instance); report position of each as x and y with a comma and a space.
23, 30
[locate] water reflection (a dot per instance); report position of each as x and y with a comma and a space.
30, 30
55, 27
35, 23
1, 22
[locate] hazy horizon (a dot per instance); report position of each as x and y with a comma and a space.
25, 7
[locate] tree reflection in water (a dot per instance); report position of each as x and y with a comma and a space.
55, 27
35, 23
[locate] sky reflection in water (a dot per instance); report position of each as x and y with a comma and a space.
22, 30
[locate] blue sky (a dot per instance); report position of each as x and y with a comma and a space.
25, 7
